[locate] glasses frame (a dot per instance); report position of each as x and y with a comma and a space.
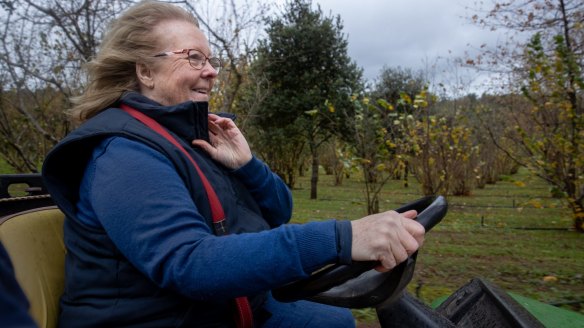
215, 62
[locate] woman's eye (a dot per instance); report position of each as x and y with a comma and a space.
196, 57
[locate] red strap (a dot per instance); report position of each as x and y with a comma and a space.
244, 319
245, 315
216, 208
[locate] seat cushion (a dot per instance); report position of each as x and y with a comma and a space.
34, 241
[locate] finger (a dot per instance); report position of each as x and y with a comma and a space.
416, 231
411, 214
410, 244
396, 255
400, 252
414, 228
218, 119
221, 121
204, 145
213, 117
388, 262
214, 128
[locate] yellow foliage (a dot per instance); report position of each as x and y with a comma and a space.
550, 279
536, 203
420, 101
331, 108
519, 183
406, 98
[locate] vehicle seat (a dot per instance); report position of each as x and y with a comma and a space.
34, 241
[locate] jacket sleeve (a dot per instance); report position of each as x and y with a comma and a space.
268, 190
141, 202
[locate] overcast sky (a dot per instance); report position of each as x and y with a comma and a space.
408, 33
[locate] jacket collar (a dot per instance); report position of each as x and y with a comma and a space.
188, 120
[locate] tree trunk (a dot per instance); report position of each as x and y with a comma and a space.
579, 221
578, 215
373, 205
406, 174
314, 177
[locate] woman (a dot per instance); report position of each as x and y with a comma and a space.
143, 249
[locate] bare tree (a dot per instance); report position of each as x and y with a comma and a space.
43, 46
233, 29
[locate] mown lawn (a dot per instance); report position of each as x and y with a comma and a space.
512, 233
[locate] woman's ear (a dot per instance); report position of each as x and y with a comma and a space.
144, 74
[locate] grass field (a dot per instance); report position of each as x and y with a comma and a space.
512, 233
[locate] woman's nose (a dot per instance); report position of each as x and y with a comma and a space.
208, 70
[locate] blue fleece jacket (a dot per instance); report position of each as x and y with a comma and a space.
170, 242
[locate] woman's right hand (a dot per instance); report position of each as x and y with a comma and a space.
228, 145
388, 237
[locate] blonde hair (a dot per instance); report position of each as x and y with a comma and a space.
128, 40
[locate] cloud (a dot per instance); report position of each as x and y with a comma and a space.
406, 33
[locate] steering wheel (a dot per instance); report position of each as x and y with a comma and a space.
358, 285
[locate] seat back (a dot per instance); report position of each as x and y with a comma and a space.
34, 241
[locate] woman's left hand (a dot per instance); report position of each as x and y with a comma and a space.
228, 145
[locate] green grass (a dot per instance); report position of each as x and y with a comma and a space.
511, 233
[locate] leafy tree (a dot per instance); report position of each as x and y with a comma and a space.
550, 131
336, 160
374, 149
395, 83
304, 60
554, 139
438, 146
398, 86
282, 148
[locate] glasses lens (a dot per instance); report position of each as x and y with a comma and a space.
215, 62
197, 59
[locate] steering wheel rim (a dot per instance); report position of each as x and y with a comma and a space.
329, 285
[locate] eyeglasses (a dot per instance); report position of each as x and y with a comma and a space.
196, 58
